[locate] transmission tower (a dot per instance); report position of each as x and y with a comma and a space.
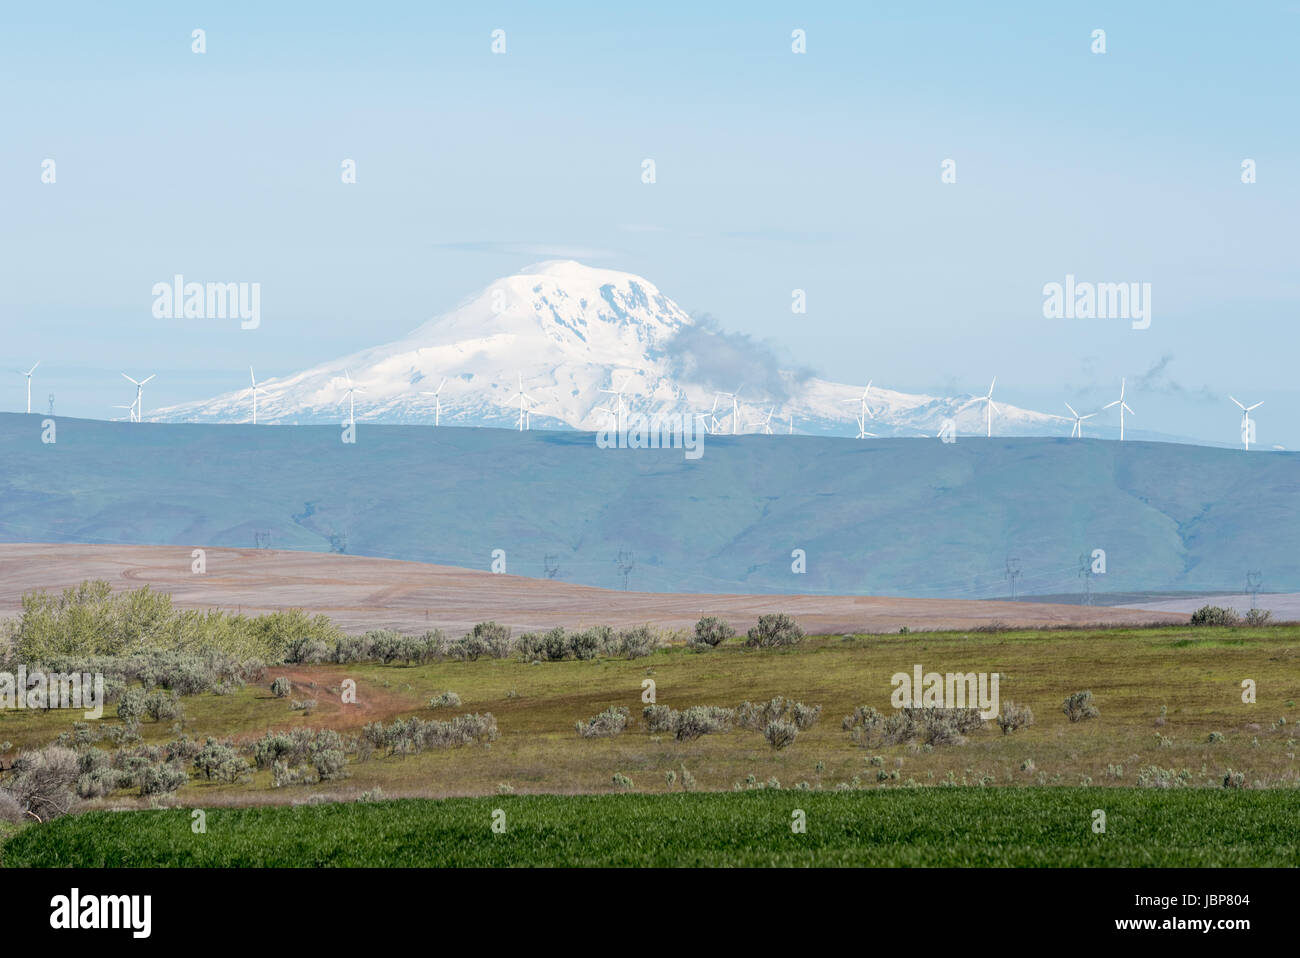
625, 566
262, 540
1085, 572
1253, 581
551, 566
1013, 573
51, 404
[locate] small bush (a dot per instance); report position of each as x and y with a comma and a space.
43, 783
608, 723
1215, 737
775, 630
780, 734
1014, 717
1234, 779
1214, 615
447, 699
621, 781
1078, 707
281, 687
1153, 776
1258, 616
710, 632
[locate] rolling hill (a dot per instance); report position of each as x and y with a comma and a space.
908, 517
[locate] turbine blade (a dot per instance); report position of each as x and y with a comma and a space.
1256, 406
1071, 408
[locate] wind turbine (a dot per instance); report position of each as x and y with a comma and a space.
618, 395
990, 408
1077, 431
1123, 406
28, 374
735, 407
351, 389
139, 395
1245, 420
437, 402
863, 412
766, 424
713, 415
525, 418
130, 416
253, 392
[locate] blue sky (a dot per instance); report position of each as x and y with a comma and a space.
775, 171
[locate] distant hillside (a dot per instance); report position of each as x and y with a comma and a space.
905, 517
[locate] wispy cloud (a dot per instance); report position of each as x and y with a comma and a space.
1157, 380
706, 353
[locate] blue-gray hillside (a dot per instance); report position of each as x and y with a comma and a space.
890, 516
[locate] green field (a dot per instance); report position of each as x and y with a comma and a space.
1163, 694
902, 827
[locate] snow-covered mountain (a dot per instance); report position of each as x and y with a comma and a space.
567, 331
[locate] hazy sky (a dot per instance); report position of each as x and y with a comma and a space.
775, 171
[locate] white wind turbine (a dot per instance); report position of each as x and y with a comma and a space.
618, 395
253, 392
863, 412
139, 395
735, 408
766, 424
1123, 407
28, 374
351, 406
525, 416
130, 416
713, 415
1245, 420
437, 402
1077, 431
989, 408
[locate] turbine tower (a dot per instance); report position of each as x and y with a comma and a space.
437, 402
618, 395
525, 418
130, 416
28, 374
1245, 420
863, 412
139, 395
735, 407
253, 392
766, 424
990, 409
351, 389
713, 415
1077, 431
1123, 407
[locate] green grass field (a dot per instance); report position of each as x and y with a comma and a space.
1161, 693
902, 827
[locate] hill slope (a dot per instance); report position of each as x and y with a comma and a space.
892, 517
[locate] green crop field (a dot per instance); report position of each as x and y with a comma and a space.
1172, 730
908, 827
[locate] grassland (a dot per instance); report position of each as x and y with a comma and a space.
905, 827
1161, 692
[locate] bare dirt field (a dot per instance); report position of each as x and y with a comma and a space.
362, 593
